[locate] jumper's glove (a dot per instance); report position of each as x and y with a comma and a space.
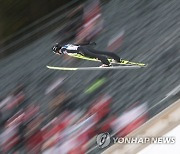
63, 51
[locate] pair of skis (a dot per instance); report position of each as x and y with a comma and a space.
124, 64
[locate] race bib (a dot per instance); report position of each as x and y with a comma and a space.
71, 47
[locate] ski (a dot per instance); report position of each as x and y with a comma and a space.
92, 68
123, 61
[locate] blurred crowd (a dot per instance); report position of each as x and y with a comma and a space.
85, 23
66, 127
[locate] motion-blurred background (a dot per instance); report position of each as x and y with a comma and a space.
45, 111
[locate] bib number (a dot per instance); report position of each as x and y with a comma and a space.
71, 47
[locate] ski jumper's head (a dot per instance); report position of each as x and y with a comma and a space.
56, 48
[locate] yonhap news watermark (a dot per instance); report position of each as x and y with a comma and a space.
104, 139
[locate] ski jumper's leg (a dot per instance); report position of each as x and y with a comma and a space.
87, 53
106, 53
